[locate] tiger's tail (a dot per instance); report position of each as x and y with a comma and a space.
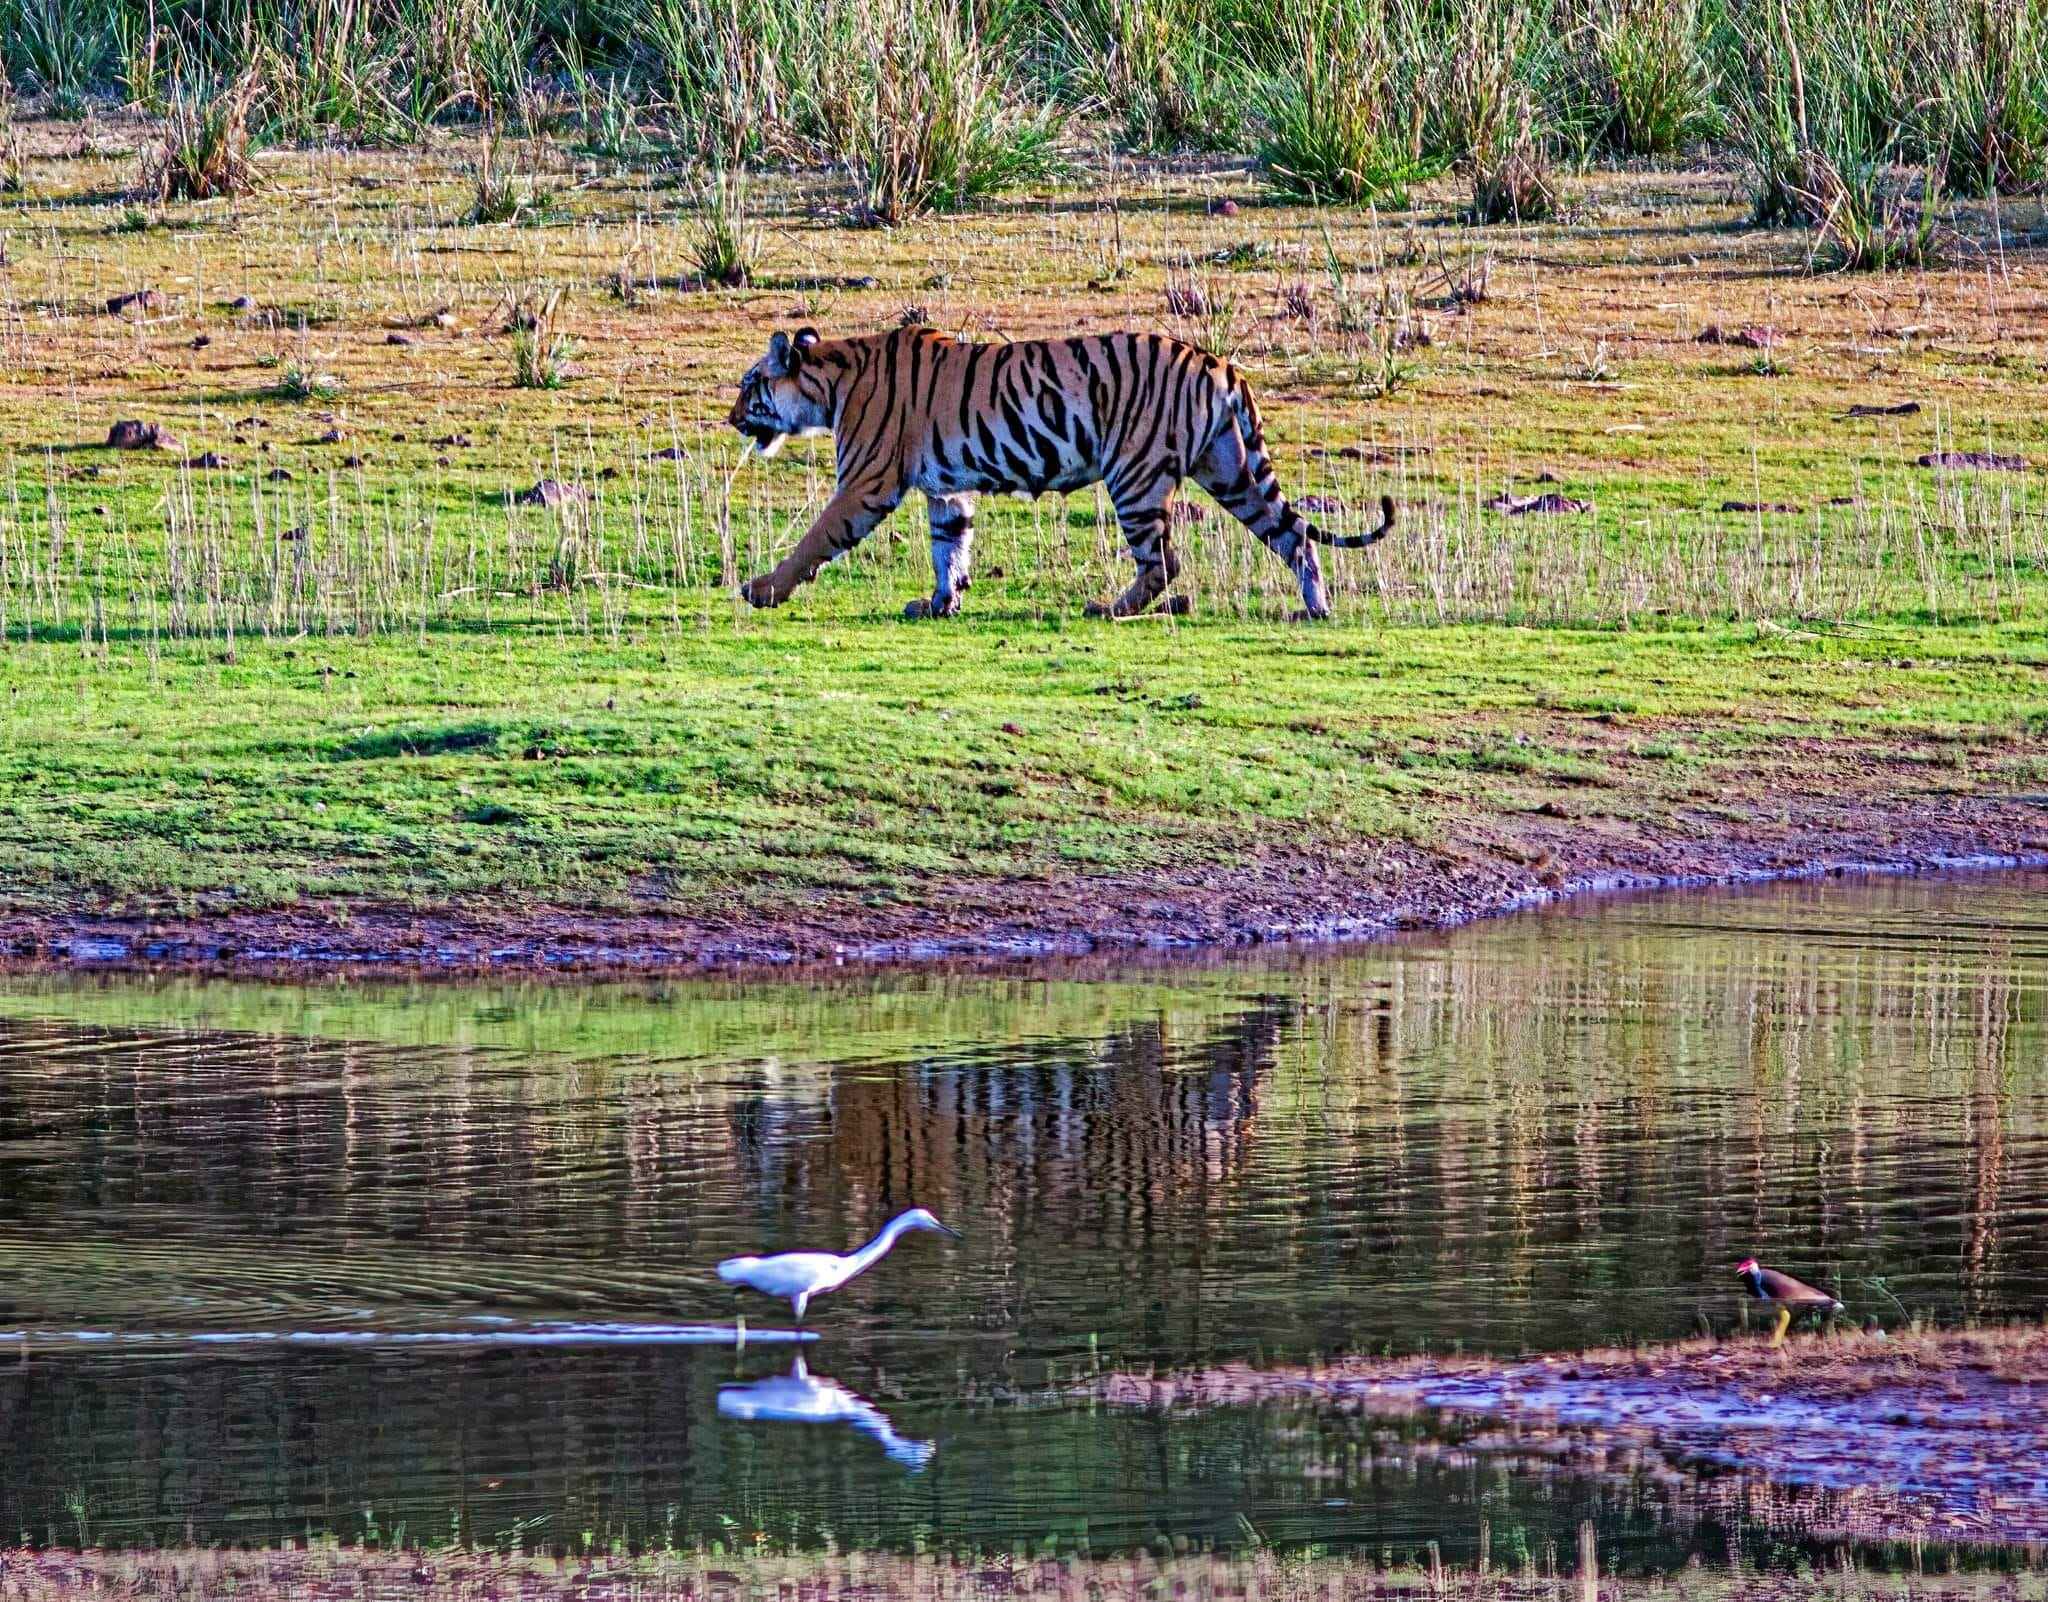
1260, 465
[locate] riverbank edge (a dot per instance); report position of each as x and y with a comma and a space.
1299, 897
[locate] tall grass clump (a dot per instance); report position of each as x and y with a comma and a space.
1331, 108
1654, 88
540, 346
723, 234
914, 104
1485, 119
1174, 80
62, 48
1822, 111
718, 65
1990, 126
201, 151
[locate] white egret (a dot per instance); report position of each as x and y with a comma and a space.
799, 1276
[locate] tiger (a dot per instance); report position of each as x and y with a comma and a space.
917, 409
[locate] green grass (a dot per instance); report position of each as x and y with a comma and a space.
837, 750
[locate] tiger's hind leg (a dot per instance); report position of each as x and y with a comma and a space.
1146, 522
952, 520
1225, 471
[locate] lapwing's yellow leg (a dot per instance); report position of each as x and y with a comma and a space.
1784, 1323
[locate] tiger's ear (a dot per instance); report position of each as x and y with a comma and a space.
781, 355
806, 338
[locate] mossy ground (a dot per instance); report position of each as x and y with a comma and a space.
344, 667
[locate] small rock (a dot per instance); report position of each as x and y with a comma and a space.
201, 341
332, 437
1321, 505
242, 303
675, 453
137, 302
351, 461
1983, 461
292, 536
863, 281
1902, 409
1012, 730
444, 318
252, 422
1552, 809
206, 459
1221, 207
130, 434
452, 439
396, 338
552, 492
1550, 504
279, 475
1759, 337
1760, 506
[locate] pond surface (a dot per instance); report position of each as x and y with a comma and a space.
344, 1258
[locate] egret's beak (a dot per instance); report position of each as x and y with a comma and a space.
948, 1231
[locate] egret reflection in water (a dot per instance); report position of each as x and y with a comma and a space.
801, 1397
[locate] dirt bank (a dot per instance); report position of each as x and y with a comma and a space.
1935, 1436
1496, 863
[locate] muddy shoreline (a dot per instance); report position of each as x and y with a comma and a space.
1286, 896
1929, 1436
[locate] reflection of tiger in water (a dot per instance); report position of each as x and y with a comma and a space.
914, 409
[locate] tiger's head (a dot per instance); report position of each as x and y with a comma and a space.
778, 397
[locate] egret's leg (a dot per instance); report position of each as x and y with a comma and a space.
741, 1343
1784, 1323
799, 1301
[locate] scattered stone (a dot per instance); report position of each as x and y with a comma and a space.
1549, 504
352, 461
1012, 731
1189, 512
279, 475
138, 302
332, 437
396, 338
552, 492
674, 453
1759, 337
452, 439
1902, 409
242, 303
1546, 477
862, 281
1552, 809
915, 315
1760, 506
1323, 505
1221, 207
252, 422
130, 434
201, 341
206, 459
1982, 461
292, 536
444, 318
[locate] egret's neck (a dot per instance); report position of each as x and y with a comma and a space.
878, 1248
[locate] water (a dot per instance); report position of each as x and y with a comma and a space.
345, 1257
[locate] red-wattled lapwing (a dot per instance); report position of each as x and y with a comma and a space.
1786, 1294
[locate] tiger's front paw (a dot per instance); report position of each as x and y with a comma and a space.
762, 591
